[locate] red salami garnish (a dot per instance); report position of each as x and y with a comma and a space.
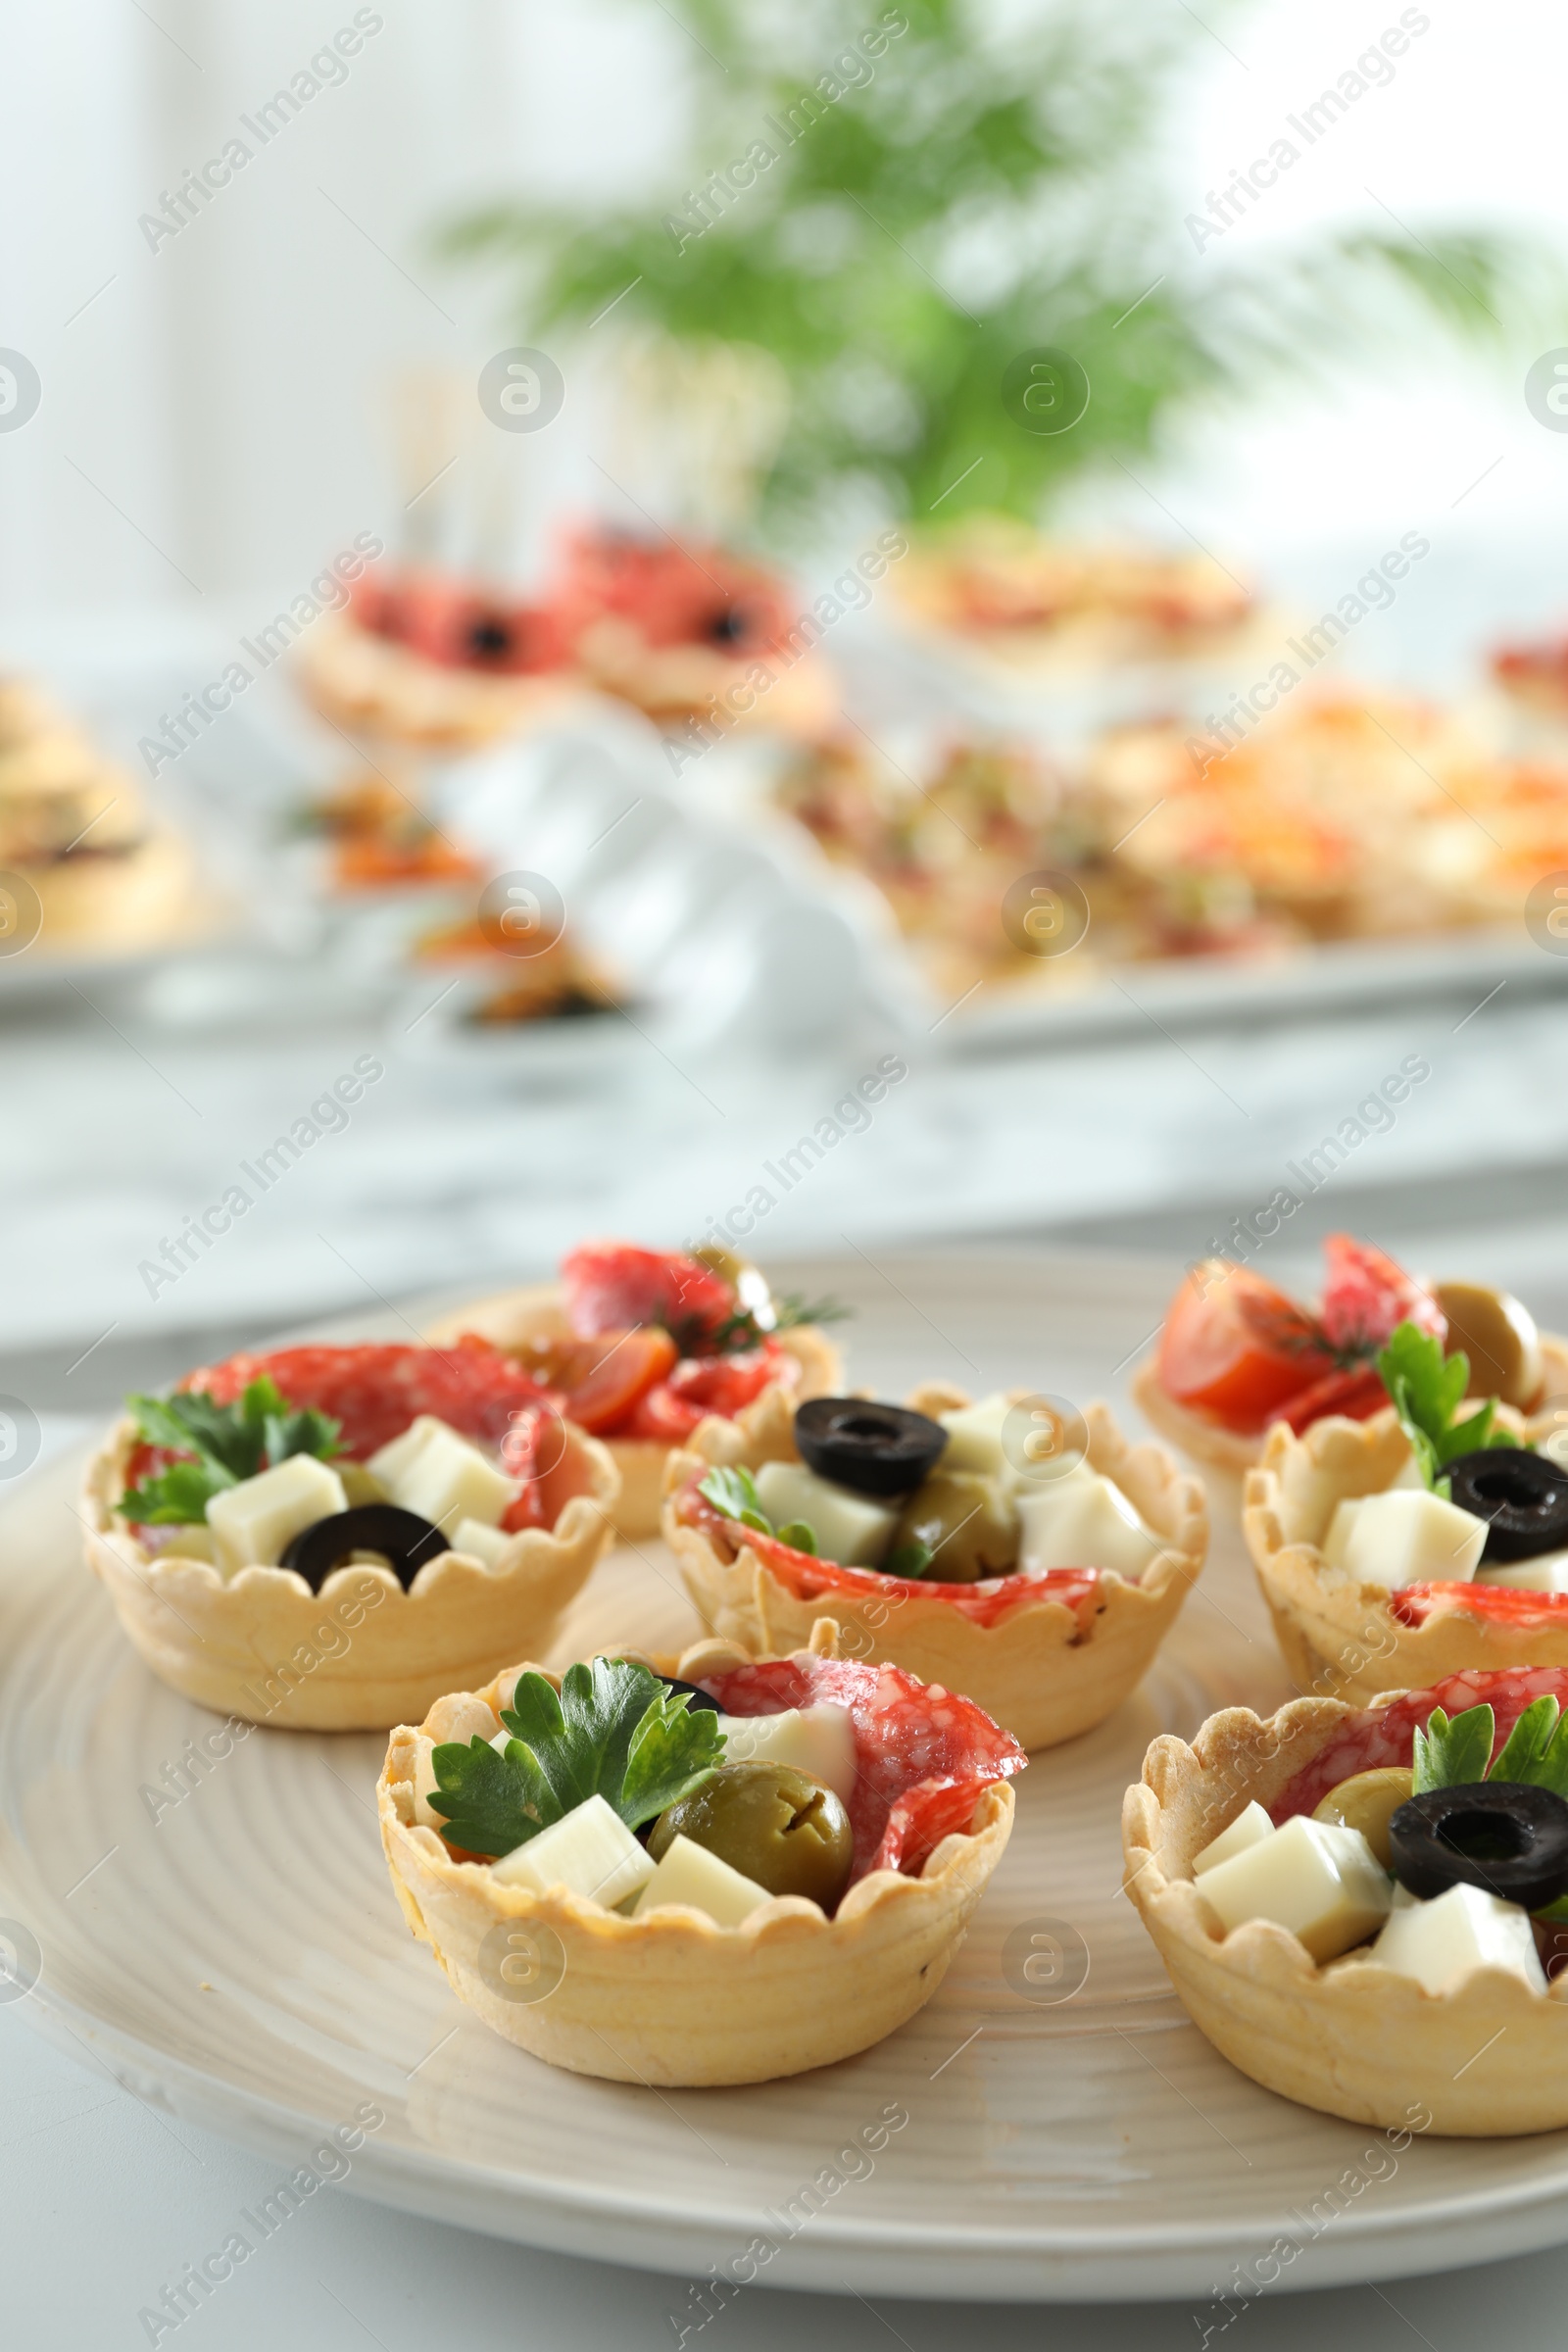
1381, 1735
1530, 1611
987, 1602
1365, 1295
376, 1391
923, 1756
611, 1286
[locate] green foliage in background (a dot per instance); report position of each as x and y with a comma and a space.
974, 192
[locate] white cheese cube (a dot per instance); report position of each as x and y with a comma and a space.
974, 1438
1548, 1572
442, 1477
1082, 1522
1405, 1536
481, 1542
254, 1520
589, 1851
688, 1873
1247, 1829
1321, 1881
1409, 1477
817, 1739
1440, 1941
853, 1529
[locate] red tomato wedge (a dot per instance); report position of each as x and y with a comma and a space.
1354, 1396
1365, 1295
627, 1367
1236, 1348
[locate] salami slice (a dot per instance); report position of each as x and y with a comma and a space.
376, 1391
808, 1578
923, 1756
1381, 1736
609, 1286
1503, 1604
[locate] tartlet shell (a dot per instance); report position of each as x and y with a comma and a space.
1037, 1672
234, 1645
675, 1999
536, 1312
1341, 1638
1486, 2058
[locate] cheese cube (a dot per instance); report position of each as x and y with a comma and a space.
1247, 1829
191, 1543
254, 1520
974, 1438
1082, 1521
589, 1851
488, 1544
853, 1529
820, 1741
1321, 1881
1405, 1536
1548, 1572
688, 1873
1440, 1941
441, 1476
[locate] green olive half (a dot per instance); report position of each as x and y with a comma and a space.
775, 1824
966, 1521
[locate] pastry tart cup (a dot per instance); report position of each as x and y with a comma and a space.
1485, 2058
362, 1654
1344, 1639
1045, 1668
373, 686
514, 1318
1226, 1449
675, 1999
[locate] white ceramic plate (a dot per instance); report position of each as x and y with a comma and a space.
242, 1963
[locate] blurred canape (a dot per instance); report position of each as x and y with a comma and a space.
1000, 587
74, 828
556, 982
379, 838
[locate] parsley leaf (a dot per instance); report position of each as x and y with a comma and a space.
910, 1559
1426, 1388
1536, 1751
734, 1493
1453, 1755
230, 1443
614, 1729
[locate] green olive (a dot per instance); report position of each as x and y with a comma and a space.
1367, 1802
775, 1824
359, 1483
966, 1524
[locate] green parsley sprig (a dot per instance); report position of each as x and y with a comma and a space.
1426, 1388
733, 1491
1453, 1752
613, 1731
229, 1442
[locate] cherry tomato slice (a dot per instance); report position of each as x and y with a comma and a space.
1365, 1295
1236, 1348
627, 1366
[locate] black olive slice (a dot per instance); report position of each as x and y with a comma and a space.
875, 1448
1506, 1837
1523, 1498
402, 1538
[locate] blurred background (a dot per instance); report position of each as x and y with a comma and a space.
575, 584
